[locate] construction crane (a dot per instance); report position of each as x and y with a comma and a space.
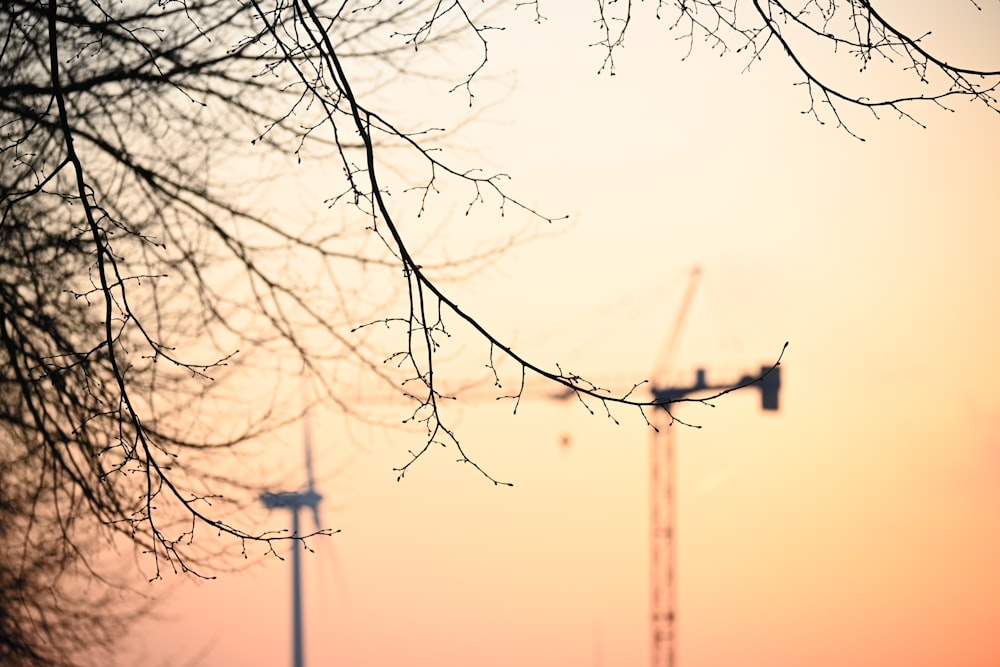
663, 475
294, 501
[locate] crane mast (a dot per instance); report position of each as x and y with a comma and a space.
662, 508
663, 480
663, 557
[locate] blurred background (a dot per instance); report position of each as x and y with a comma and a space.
856, 525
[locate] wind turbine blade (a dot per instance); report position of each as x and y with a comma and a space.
338, 574
307, 434
334, 563
307, 444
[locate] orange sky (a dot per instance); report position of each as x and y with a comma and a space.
857, 526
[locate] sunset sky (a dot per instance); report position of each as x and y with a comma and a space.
856, 526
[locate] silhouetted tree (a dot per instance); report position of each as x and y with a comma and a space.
56, 610
138, 272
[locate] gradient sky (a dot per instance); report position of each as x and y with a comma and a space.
857, 526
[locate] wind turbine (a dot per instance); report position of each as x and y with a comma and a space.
294, 501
